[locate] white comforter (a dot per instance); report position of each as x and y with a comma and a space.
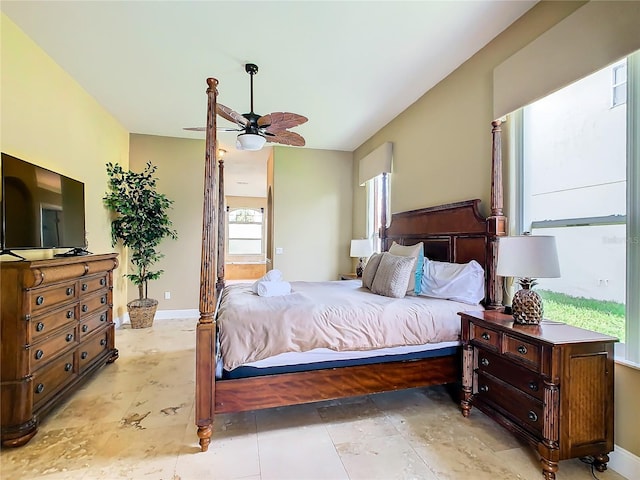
338, 315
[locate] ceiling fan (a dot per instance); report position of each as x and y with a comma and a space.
258, 129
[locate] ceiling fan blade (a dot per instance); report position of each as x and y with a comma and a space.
285, 137
220, 129
231, 115
278, 121
195, 129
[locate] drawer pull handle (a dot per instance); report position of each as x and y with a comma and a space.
532, 416
67, 367
103, 317
533, 386
84, 287
485, 336
85, 308
69, 313
103, 342
69, 337
85, 328
39, 354
39, 327
522, 350
39, 388
103, 300
484, 362
103, 282
69, 291
39, 300
484, 388
84, 355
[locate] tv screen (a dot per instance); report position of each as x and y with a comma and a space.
40, 208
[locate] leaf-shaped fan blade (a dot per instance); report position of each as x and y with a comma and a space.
220, 129
285, 137
276, 122
231, 115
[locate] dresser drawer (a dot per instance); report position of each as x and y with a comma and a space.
93, 323
43, 325
524, 410
92, 284
45, 298
51, 379
92, 304
41, 353
92, 348
522, 378
525, 352
485, 336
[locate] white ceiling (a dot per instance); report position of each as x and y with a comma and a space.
349, 66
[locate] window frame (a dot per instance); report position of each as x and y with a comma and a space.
229, 238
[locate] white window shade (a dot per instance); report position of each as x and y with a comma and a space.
595, 35
376, 163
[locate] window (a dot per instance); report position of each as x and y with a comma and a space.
574, 158
377, 208
246, 231
619, 94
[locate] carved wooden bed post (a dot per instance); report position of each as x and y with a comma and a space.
221, 225
496, 222
206, 329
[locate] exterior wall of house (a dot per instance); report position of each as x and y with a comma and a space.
51, 121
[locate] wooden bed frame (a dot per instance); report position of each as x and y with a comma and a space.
454, 233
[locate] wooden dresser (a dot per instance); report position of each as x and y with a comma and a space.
56, 329
550, 384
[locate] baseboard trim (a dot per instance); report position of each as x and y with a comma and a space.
624, 462
161, 315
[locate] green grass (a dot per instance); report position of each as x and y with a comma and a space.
602, 316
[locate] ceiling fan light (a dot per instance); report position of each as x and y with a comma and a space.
250, 141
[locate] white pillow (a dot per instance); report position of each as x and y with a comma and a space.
461, 282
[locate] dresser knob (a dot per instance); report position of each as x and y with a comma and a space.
39, 327
103, 342
103, 282
84, 287
39, 388
39, 354
84, 355
69, 337
485, 336
67, 367
85, 308
69, 291
484, 362
85, 328
532, 416
103, 317
69, 313
484, 388
103, 300
39, 300
522, 350
533, 386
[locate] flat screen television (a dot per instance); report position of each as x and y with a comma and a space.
40, 208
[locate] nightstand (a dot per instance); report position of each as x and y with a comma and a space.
349, 276
550, 384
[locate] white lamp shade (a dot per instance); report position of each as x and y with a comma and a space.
250, 141
528, 256
361, 248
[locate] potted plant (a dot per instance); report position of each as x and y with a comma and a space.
140, 223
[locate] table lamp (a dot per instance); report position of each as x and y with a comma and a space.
527, 257
362, 249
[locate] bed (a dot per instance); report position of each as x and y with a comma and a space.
454, 232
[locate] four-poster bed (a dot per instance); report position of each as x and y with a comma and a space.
450, 233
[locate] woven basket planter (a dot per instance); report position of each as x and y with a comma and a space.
141, 312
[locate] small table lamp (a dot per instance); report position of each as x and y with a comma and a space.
362, 249
527, 257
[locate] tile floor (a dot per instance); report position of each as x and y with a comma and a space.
135, 420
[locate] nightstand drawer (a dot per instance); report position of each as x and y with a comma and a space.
526, 352
522, 378
523, 409
485, 336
